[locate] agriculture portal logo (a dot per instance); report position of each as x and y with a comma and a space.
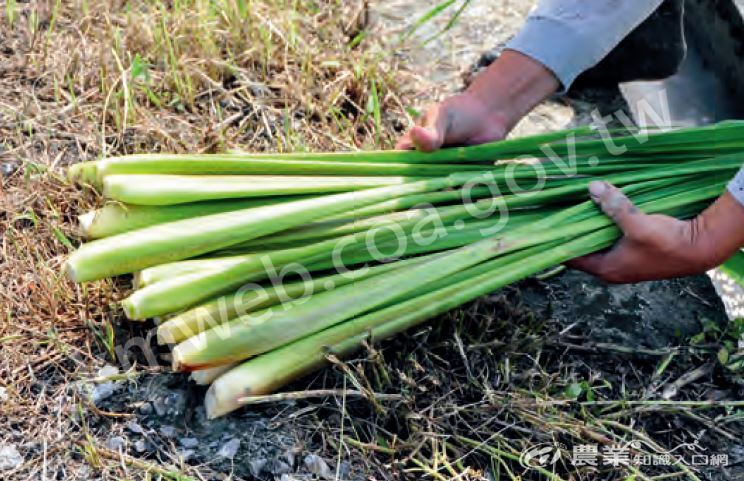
540, 456
546, 456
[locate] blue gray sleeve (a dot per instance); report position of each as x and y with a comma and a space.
571, 36
736, 186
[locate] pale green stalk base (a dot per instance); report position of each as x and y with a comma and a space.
115, 217
85, 173
205, 377
226, 308
157, 190
163, 272
250, 164
133, 251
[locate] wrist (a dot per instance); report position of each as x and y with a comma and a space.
701, 255
486, 111
512, 86
717, 233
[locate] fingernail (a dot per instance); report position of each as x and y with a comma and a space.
597, 188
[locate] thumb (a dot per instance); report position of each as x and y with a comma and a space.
430, 134
616, 205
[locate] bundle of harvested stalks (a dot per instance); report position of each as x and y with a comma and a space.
259, 266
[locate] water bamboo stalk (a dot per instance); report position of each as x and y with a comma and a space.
136, 250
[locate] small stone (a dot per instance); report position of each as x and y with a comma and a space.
108, 371
289, 457
317, 466
172, 404
8, 168
84, 472
134, 427
116, 443
140, 446
145, 409
30, 446
200, 414
229, 449
189, 442
160, 408
10, 458
99, 392
259, 90
186, 454
256, 467
280, 467
3, 394
344, 469
168, 431
287, 477
102, 391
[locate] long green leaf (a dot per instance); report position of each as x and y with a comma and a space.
239, 340
116, 217
268, 372
176, 294
734, 268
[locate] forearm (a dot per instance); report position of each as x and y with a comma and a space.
719, 231
512, 86
570, 36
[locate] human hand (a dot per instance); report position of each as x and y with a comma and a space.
490, 107
459, 120
662, 247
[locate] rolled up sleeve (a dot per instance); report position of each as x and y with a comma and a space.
736, 186
571, 36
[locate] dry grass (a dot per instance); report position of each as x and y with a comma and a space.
82, 79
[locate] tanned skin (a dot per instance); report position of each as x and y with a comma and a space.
653, 246
662, 247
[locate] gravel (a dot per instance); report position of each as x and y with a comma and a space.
317, 466
229, 449
135, 427
10, 458
189, 442
116, 443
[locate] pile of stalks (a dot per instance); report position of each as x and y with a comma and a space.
257, 267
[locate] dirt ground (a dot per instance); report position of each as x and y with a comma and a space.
560, 361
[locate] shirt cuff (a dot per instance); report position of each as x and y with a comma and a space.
559, 47
736, 186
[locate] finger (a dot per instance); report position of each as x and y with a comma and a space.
430, 135
404, 142
616, 205
424, 139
